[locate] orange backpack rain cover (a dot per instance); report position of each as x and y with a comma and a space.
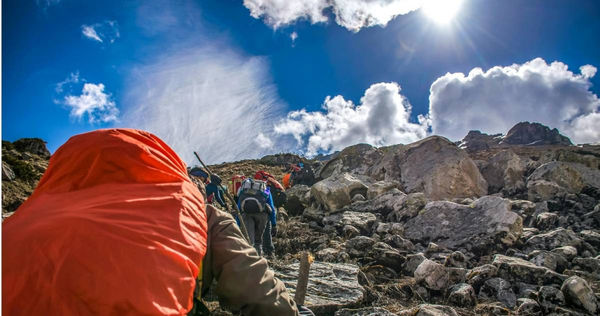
115, 226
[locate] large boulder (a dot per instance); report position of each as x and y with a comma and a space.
336, 192
7, 172
477, 227
505, 172
441, 170
331, 286
557, 177
298, 199
33, 145
526, 133
357, 159
556, 238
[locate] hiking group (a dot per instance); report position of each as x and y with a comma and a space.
118, 225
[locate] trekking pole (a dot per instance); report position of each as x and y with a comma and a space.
236, 210
302, 284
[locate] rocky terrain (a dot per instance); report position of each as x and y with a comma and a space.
492, 225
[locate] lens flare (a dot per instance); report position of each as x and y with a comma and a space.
441, 11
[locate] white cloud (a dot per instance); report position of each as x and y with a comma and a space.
351, 14
73, 78
381, 118
105, 32
208, 100
293, 37
495, 100
93, 102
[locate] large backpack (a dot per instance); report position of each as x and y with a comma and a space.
236, 183
252, 196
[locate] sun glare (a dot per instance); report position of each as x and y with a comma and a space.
441, 11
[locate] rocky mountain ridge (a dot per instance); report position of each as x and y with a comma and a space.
434, 228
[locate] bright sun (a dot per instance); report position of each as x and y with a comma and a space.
441, 11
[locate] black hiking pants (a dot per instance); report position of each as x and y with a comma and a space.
256, 224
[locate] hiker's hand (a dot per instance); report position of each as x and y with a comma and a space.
273, 231
304, 311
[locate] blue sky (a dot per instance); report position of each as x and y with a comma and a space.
240, 79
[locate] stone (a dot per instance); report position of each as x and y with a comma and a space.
505, 172
358, 160
350, 231
33, 145
553, 239
491, 309
579, 293
366, 311
331, 286
500, 290
518, 270
441, 170
569, 177
478, 227
456, 275
7, 173
412, 263
336, 192
358, 198
328, 254
432, 274
550, 260
359, 246
478, 275
410, 206
528, 306
389, 228
298, 199
456, 259
462, 295
546, 220
568, 252
550, 298
429, 310
381, 187
387, 256
399, 243
591, 237
476, 141
362, 221
590, 265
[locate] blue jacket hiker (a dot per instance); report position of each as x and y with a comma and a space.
256, 205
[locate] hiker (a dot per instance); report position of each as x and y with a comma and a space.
277, 199
116, 226
214, 193
256, 205
303, 174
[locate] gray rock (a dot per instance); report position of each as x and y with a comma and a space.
500, 290
550, 260
591, 237
331, 286
546, 220
358, 198
362, 221
553, 239
366, 311
387, 256
328, 254
477, 227
569, 252
478, 275
496, 308
358, 160
529, 307
7, 172
518, 270
534, 134
505, 172
550, 298
590, 265
440, 169
569, 177
350, 231
381, 187
456, 259
389, 228
359, 246
432, 274
408, 208
298, 198
399, 243
336, 192
578, 292
412, 262
462, 295
429, 310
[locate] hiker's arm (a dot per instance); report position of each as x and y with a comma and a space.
273, 213
244, 280
220, 200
